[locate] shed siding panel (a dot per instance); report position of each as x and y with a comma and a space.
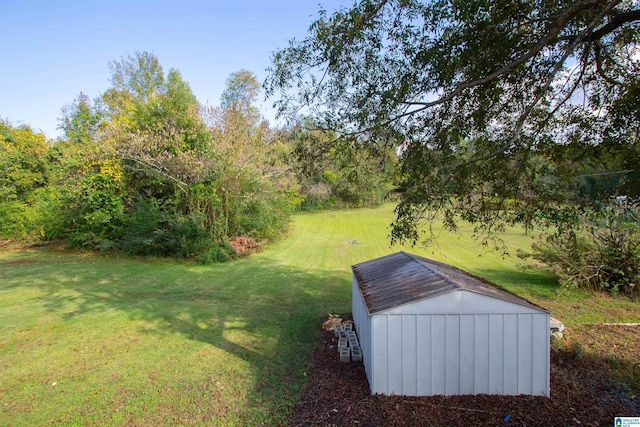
461, 302
438, 354
394, 351
525, 347
379, 356
496, 353
362, 323
409, 355
423, 356
481, 355
452, 355
474, 303
460, 354
511, 356
467, 353
540, 371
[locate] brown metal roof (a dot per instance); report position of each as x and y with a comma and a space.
402, 278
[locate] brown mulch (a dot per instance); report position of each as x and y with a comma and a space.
337, 394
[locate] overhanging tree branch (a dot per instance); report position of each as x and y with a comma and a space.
545, 41
619, 19
468, 87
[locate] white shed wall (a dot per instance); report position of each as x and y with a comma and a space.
453, 354
461, 302
456, 343
362, 323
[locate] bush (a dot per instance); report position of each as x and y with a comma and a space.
158, 231
604, 255
265, 218
92, 206
12, 220
219, 252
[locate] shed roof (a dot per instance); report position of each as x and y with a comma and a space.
401, 278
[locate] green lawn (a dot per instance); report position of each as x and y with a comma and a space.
96, 340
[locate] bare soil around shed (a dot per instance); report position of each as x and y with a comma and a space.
584, 391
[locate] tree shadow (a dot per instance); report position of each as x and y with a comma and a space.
258, 296
612, 379
527, 282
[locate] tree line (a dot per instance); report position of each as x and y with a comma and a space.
146, 169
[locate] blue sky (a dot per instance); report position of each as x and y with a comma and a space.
51, 50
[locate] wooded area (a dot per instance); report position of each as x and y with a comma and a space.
146, 169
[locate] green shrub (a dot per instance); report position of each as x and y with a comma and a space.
265, 218
12, 219
604, 255
160, 231
218, 252
92, 208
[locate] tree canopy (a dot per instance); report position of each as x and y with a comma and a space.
241, 93
145, 169
23, 173
495, 107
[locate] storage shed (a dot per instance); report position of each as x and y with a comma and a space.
427, 328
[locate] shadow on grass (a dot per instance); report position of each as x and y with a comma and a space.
530, 282
272, 311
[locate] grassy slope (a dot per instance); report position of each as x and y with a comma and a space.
94, 340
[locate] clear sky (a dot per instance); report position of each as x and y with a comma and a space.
51, 50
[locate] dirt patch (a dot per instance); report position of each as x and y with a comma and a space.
337, 394
243, 244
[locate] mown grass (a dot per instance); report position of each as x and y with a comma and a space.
97, 340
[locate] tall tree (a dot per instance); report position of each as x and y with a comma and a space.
492, 105
137, 81
240, 94
154, 125
240, 137
80, 120
139, 74
24, 175
254, 183
23, 161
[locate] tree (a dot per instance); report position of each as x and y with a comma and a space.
154, 127
24, 178
254, 185
23, 162
140, 75
241, 92
80, 121
494, 106
136, 83
331, 178
141, 140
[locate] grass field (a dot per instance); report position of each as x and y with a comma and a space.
100, 340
